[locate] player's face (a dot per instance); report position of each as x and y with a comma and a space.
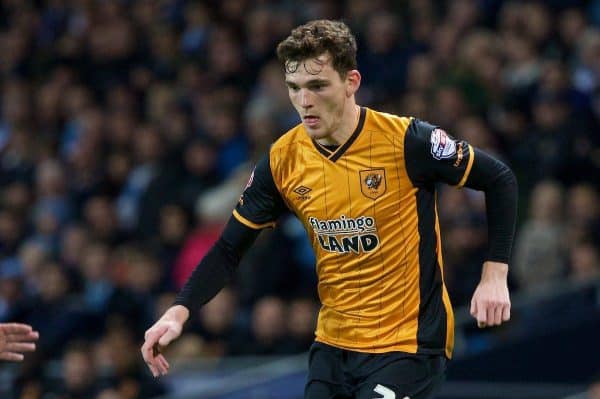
319, 94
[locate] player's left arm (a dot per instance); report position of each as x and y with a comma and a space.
436, 156
490, 304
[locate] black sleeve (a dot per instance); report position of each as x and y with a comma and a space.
431, 155
260, 204
218, 265
501, 192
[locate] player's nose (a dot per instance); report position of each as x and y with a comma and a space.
305, 98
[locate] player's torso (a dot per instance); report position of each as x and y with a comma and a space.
359, 209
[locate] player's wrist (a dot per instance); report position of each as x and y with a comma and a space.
177, 313
494, 271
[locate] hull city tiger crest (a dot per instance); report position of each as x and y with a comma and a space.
372, 183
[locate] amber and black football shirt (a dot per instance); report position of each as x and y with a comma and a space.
369, 208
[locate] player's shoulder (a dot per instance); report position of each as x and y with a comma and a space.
384, 121
421, 130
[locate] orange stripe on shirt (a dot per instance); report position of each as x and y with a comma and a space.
250, 224
468, 169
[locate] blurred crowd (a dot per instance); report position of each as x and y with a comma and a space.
129, 128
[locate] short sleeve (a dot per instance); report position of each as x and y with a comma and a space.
260, 204
432, 155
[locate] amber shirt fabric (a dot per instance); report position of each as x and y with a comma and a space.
369, 208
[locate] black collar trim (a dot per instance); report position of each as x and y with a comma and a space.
335, 155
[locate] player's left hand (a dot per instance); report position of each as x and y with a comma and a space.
490, 304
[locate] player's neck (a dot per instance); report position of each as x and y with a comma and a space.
347, 126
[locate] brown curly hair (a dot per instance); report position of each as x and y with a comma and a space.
315, 38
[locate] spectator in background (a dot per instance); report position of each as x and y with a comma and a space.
95, 273
268, 328
117, 364
73, 242
584, 262
588, 56
11, 285
12, 230
80, 380
583, 214
220, 326
301, 323
53, 310
540, 248
382, 47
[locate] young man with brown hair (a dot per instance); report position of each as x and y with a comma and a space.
363, 184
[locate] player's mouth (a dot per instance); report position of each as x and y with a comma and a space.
311, 120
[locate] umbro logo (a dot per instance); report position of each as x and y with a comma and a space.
302, 192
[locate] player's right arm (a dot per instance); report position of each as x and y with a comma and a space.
259, 206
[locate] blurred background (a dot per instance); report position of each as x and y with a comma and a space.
129, 128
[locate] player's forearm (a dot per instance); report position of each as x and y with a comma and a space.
217, 267
209, 277
501, 204
501, 191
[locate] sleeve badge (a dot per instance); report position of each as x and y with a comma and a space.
442, 146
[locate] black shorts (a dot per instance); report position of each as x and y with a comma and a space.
335, 373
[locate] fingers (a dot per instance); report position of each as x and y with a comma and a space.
490, 314
15, 328
156, 362
474, 311
23, 337
167, 337
473, 307
13, 352
160, 363
150, 359
163, 365
498, 315
153, 369
490, 304
506, 313
481, 315
11, 357
19, 347
153, 334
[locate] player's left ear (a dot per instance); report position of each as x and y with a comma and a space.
352, 82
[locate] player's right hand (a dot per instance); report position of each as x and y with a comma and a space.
157, 337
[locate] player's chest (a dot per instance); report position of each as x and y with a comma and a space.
351, 186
